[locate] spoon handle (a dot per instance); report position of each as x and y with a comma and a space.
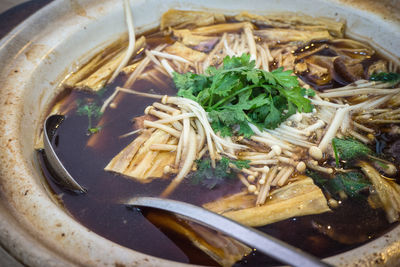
264, 243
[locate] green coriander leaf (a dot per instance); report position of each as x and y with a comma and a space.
221, 168
189, 84
295, 96
187, 94
246, 102
209, 177
211, 71
237, 62
351, 149
353, 183
228, 116
221, 128
204, 96
269, 78
259, 114
223, 84
391, 77
241, 163
273, 119
183, 81
291, 110
252, 76
285, 78
307, 92
245, 130
329, 184
203, 171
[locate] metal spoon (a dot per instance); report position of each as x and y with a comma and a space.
264, 243
61, 175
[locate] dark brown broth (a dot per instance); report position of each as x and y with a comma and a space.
100, 209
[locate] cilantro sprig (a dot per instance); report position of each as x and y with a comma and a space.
390, 77
92, 111
210, 177
352, 183
238, 93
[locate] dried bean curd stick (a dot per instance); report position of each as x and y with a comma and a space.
163, 147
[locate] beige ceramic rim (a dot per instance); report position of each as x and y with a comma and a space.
40, 51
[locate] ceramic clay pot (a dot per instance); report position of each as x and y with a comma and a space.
36, 56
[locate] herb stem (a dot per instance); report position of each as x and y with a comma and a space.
335, 152
378, 159
90, 119
228, 98
210, 100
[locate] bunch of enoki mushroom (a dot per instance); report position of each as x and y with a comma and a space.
177, 131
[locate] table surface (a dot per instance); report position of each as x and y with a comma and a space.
7, 4
13, 12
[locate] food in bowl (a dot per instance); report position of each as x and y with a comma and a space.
280, 124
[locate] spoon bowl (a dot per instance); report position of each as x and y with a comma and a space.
60, 174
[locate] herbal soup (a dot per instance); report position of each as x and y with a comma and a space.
278, 122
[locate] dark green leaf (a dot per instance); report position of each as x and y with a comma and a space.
189, 84
221, 128
237, 62
295, 96
351, 149
285, 78
245, 130
241, 163
252, 76
307, 92
352, 183
391, 77
273, 119
210, 177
